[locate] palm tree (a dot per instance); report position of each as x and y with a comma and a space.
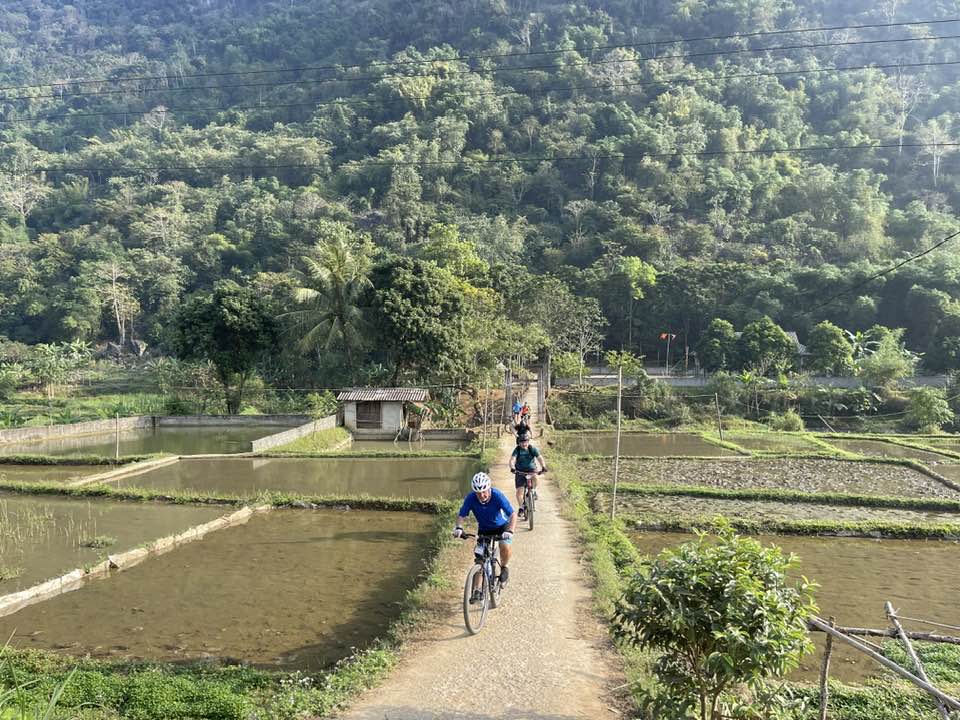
328, 297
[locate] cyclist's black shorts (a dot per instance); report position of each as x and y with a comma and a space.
520, 478
496, 532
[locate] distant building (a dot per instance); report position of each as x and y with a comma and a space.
381, 410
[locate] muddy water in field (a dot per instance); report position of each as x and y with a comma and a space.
405, 446
390, 477
177, 440
673, 505
804, 474
878, 448
856, 577
42, 536
639, 444
772, 442
290, 589
49, 473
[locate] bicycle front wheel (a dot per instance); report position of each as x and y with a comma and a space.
475, 614
531, 508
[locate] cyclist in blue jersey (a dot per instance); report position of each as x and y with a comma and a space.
495, 516
517, 407
524, 461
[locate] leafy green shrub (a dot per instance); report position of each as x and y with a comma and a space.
321, 405
890, 362
725, 617
789, 421
928, 410
727, 389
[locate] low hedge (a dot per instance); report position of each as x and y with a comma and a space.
360, 502
753, 526
787, 496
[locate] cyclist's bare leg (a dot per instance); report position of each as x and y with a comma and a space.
504, 554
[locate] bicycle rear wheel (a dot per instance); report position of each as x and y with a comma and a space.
475, 614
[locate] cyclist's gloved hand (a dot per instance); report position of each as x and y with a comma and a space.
458, 532
506, 535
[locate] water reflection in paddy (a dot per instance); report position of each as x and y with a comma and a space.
290, 589
639, 444
41, 536
879, 448
856, 577
177, 440
390, 477
49, 473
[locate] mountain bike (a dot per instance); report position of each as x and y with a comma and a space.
530, 496
487, 565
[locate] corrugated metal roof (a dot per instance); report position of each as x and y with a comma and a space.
383, 395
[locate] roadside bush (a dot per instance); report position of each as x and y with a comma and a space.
928, 409
726, 618
727, 389
321, 405
789, 421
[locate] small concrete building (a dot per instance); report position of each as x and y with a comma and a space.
379, 411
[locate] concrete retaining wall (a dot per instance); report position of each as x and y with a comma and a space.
228, 420
100, 427
288, 436
93, 427
75, 579
123, 471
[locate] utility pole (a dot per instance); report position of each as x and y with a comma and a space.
616, 456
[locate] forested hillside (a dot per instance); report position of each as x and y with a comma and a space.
152, 148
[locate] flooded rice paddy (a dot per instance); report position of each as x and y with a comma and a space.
804, 475
639, 444
856, 577
405, 446
291, 589
49, 473
43, 536
174, 439
675, 505
388, 477
773, 442
879, 448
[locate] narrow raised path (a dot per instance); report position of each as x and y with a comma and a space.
541, 656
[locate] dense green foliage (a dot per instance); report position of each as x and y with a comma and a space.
203, 172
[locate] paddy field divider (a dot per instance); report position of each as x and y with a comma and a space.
75, 579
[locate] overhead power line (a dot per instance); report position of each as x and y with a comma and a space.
485, 56
483, 71
499, 93
485, 161
882, 273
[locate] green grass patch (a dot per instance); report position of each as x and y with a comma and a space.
75, 459
880, 700
321, 441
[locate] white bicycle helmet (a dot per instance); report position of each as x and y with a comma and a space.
480, 482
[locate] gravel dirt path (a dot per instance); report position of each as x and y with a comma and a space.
541, 656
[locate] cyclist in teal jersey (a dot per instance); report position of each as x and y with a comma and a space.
523, 461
